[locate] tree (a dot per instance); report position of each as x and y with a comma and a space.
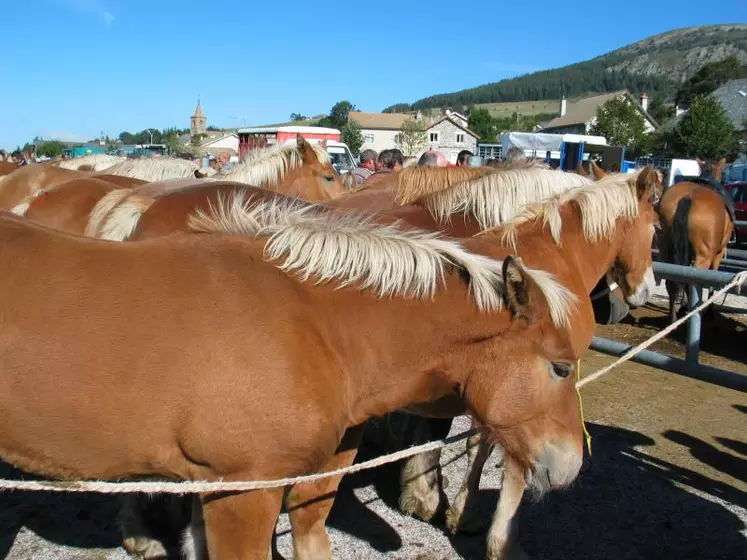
352, 136
50, 148
196, 140
709, 78
338, 115
296, 117
620, 122
412, 137
705, 131
171, 140
483, 124
660, 111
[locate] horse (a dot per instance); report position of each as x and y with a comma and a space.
304, 170
696, 226
26, 181
413, 500
70, 206
7, 167
283, 411
91, 162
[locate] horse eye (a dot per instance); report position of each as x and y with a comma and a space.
562, 370
329, 178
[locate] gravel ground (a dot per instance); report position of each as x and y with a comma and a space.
668, 479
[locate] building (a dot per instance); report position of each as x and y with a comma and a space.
221, 142
198, 122
447, 133
580, 116
733, 98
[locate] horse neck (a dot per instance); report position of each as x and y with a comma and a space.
576, 262
300, 182
401, 351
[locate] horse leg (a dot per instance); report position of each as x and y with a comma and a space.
420, 478
674, 290
136, 523
309, 504
478, 451
503, 542
240, 525
194, 542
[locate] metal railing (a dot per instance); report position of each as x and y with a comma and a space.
696, 279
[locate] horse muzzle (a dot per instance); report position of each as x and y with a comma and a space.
643, 292
556, 466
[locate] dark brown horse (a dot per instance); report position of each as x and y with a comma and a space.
695, 226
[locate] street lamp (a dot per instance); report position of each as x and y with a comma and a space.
150, 131
242, 120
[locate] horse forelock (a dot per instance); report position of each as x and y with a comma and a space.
350, 248
269, 166
497, 197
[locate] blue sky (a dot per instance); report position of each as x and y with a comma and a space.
72, 68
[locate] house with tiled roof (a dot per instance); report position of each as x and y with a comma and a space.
447, 133
580, 116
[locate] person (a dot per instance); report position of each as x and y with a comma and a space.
389, 161
224, 163
463, 158
432, 159
366, 167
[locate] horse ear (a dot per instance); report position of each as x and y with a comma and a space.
517, 288
646, 182
305, 149
598, 171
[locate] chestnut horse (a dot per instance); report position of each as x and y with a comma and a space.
28, 180
286, 407
174, 216
696, 226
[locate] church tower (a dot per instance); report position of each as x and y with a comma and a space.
198, 122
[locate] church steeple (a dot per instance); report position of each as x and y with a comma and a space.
198, 122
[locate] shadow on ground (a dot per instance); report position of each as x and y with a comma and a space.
626, 506
77, 520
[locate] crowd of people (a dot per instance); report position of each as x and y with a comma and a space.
18, 157
373, 165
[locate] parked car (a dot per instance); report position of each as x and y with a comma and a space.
739, 194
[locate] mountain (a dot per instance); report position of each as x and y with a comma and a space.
657, 65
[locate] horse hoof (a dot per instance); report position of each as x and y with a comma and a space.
421, 508
145, 548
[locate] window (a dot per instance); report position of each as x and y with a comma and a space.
460, 138
368, 138
433, 137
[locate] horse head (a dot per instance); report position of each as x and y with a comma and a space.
316, 173
633, 270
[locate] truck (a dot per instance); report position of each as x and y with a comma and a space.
263, 137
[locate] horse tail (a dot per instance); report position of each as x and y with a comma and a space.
681, 253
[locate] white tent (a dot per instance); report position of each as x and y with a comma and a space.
538, 143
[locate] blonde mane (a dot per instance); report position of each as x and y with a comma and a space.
267, 167
496, 197
22, 207
350, 248
417, 182
154, 169
600, 205
117, 214
99, 162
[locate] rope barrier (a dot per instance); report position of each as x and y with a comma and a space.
202, 487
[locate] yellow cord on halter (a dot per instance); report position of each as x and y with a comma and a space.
581, 408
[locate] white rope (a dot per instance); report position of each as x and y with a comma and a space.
202, 487
738, 280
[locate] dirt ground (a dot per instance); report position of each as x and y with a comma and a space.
667, 478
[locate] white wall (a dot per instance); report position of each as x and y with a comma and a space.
382, 139
231, 142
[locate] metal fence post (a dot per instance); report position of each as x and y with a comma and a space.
694, 297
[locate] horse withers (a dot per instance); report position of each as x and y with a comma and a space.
696, 226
